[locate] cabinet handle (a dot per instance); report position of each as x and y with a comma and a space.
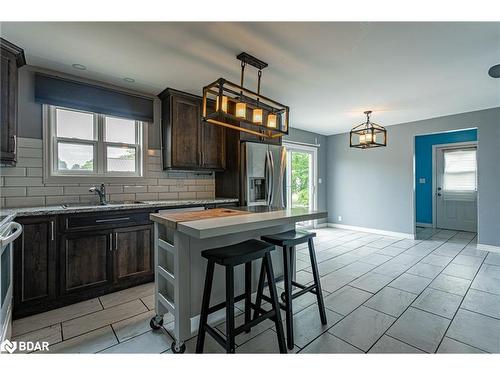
52, 236
116, 241
112, 220
15, 144
110, 242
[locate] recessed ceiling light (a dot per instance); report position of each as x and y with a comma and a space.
494, 71
130, 80
79, 66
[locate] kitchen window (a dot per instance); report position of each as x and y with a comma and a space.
87, 144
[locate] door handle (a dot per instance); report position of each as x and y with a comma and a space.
116, 241
52, 230
111, 242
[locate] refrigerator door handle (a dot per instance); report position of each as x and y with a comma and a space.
266, 176
271, 190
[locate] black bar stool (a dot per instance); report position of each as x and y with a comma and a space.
288, 241
229, 257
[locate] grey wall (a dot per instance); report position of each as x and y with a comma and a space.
298, 135
375, 188
30, 113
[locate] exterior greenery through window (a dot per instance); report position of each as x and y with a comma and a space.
300, 178
92, 144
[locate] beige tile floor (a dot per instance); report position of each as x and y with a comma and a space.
436, 294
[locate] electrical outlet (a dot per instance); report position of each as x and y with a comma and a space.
339, 218
320, 180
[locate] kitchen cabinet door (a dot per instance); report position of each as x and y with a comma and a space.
86, 261
35, 262
133, 252
213, 145
185, 130
12, 57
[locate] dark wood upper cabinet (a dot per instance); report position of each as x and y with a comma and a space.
12, 58
187, 142
35, 262
133, 248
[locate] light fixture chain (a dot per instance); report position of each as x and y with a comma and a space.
259, 75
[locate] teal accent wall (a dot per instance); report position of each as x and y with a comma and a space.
423, 167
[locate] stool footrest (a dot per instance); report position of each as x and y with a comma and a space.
223, 305
216, 335
245, 327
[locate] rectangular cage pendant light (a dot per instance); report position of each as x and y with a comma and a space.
368, 134
228, 104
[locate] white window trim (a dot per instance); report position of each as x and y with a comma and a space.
52, 175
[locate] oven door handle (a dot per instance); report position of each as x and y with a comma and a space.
15, 230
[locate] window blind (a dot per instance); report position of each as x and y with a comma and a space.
460, 170
87, 97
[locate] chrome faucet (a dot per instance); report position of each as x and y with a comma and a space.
101, 192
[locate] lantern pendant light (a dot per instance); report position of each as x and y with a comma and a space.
242, 109
368, 134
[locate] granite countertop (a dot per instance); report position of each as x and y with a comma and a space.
60, 209
220, 226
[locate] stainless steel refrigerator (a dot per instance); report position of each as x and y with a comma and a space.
263, 169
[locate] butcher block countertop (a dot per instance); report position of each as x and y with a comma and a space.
171, 220
222, 221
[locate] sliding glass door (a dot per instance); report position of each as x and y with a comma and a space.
301, 178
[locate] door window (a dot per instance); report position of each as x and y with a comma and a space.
460, 170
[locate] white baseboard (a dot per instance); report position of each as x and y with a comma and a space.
424, 225
492, 248
410, 236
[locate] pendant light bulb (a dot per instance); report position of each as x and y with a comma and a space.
271, 120
224, 104
257, 116
241, 110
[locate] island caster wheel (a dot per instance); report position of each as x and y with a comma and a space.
156, 323
178, 349
283, 297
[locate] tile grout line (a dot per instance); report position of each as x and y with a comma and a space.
410, 305
461, 302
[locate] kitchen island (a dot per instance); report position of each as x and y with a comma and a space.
180, 270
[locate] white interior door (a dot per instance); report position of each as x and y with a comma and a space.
456, 188
301, 178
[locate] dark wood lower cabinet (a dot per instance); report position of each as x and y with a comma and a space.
56, 264
35, 263
133, 252
86, 261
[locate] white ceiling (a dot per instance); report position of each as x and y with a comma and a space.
328, 73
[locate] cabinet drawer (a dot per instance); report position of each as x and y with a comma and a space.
119, 219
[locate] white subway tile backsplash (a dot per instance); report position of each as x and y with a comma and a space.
121, 197
23, 186
25, 202
168, 196
167, 181
29, 162
135, 189
12, 191
11, 171
29, 142
54, 200
187, 195
196, 188
159, 189
146, 196
47, 190
77, 190
23, 181
29, 152
33, 172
